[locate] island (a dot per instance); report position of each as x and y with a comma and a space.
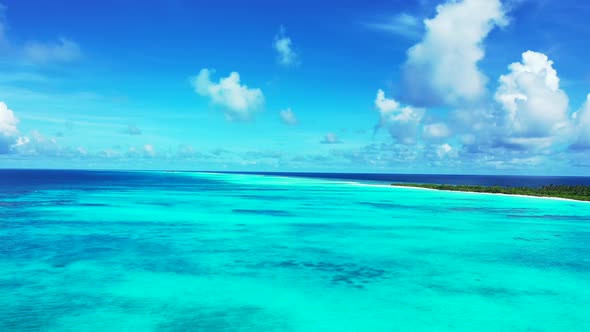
576, 192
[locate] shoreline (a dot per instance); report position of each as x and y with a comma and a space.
409, 186
497, 194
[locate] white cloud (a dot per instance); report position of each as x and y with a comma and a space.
534, 105
63, 50
8, 128
146, 151
443, 67
284, 47
331, 138
582, 127
21, 141
444, 150
288, 117
436, 131
401, 122
238, 101
37, 144
528, 115
8, 121
402, 24
149, 151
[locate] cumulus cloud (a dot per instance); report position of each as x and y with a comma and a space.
239, 102
8, 121
331, 138
132, 130
62, 50
8, 128
582, 127
146, 151
527, 117
149, 151
284, 47
402, 123
36, 144
443, 67
444, 150
33, 144
436, 131
288, 117
534, 105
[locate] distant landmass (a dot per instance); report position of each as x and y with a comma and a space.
575, 192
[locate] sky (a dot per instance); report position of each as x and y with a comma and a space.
385, 86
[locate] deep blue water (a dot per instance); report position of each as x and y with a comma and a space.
11, 178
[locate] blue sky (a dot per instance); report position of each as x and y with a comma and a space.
466, 86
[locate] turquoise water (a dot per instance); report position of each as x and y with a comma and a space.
227, 252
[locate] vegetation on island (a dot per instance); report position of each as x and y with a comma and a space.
579, 192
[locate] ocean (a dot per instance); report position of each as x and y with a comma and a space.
182, 251
452, 179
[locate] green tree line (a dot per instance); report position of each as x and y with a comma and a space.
577, 192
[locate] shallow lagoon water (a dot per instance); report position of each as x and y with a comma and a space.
154, 251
